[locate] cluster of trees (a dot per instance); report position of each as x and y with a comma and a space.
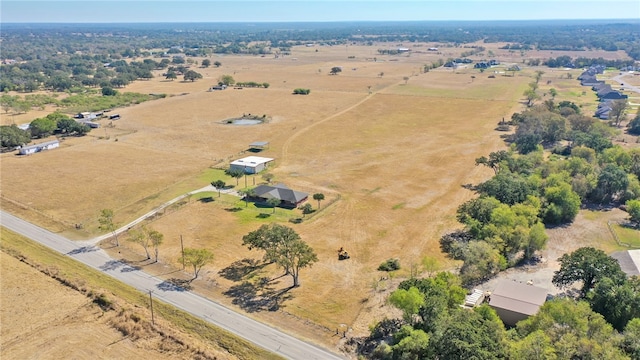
435, 326
301, 91
12, 136
147, 238
605, 287
192, 75
252, 84
65, 72
505, 224
82, 100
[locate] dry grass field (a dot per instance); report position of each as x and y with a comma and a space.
391, 156
61, 321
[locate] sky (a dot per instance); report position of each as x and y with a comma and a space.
137, 11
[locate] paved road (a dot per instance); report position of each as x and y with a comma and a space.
620, 78
254, 331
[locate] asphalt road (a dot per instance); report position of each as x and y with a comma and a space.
236, 323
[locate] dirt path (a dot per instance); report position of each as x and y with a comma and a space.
287, 144
151, 213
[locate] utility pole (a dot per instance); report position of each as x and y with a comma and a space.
151, 302
182, 249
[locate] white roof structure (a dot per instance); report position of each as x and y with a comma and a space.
474, 298
251, 161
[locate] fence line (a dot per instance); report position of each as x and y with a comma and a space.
615, 235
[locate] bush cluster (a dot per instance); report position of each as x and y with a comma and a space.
300, 91
390, 265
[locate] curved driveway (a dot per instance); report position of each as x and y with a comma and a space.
260, 334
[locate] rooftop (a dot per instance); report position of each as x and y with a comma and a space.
518, 297
251, 161
280, 191
629, 261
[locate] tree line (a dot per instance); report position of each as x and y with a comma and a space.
505, 224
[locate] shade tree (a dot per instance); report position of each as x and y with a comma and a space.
586, 265
107, 223
409, 301
218, 185
226, 80
235, 173
618, 300
318, 197
192, 75
282, 246
196, 259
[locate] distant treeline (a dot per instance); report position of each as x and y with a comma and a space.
49, 40
72, 57
582, 62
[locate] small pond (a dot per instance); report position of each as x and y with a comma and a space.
245, 122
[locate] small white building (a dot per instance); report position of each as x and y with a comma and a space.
32, 149
250, 164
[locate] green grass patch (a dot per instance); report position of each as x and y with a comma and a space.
247, 212
490, 92
78, 273
91, 102
399, 206
627, 235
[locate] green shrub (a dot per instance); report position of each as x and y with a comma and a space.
300, 91
390, 265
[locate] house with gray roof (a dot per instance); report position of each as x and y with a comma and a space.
629, 261
287, 197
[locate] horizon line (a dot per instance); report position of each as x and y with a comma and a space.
318, 22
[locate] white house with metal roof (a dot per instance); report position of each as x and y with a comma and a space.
250, 164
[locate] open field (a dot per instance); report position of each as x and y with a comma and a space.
49, 311
391, 156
